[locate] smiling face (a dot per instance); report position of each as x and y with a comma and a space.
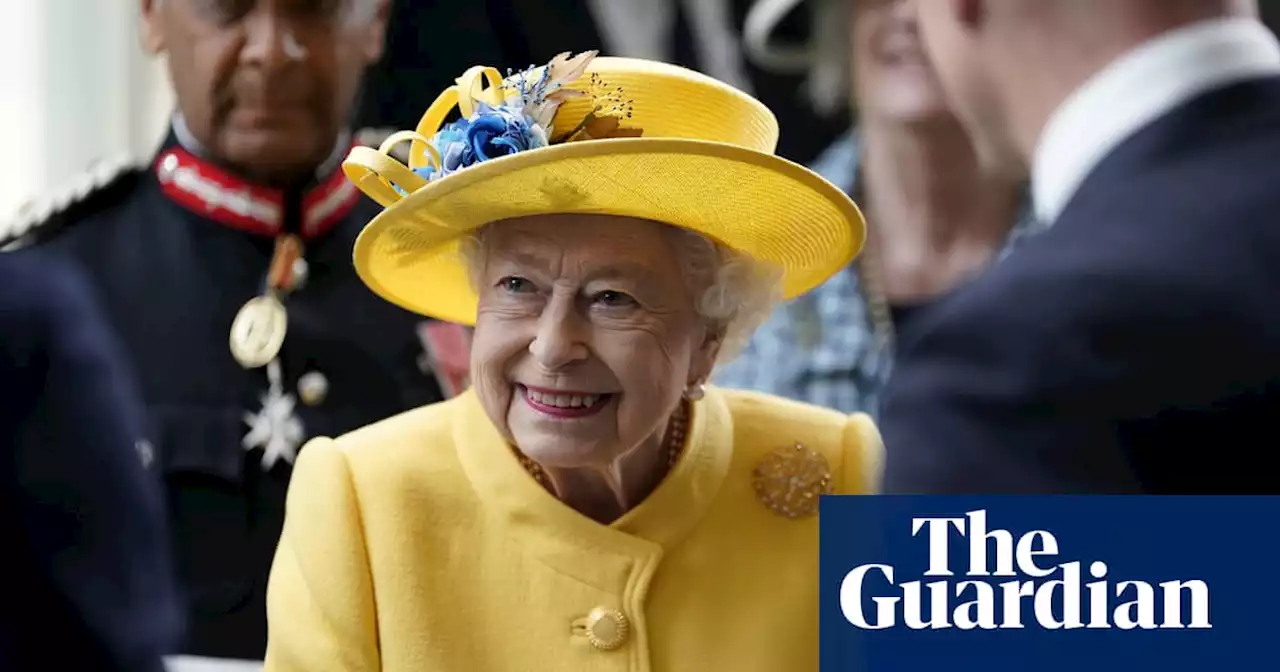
266, 85
586, 335
892, 76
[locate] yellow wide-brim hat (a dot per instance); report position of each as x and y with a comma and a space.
586, 135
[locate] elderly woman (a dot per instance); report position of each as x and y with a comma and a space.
612, 228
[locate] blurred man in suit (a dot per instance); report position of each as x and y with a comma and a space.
90, 584
1135, 346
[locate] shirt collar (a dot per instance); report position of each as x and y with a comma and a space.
1136, 89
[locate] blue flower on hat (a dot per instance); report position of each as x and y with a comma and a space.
525, 117
455, 153
490, 133
500, 131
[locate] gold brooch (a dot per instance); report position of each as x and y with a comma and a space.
605, 629
790, 480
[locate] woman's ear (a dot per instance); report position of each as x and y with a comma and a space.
704, 360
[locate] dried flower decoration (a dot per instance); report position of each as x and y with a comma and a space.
524, 119
542, 98
610, 108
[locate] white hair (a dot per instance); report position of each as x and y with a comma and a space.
734, 292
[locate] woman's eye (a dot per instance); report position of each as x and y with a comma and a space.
515, 284
613, 298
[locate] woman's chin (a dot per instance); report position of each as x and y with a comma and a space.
559, 451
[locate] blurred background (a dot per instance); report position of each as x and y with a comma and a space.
78, 89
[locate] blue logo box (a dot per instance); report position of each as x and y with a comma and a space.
1096, 583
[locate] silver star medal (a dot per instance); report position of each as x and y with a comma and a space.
274, 428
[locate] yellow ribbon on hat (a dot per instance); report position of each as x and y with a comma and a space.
387, 180
378, 175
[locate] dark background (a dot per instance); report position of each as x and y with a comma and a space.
431, 42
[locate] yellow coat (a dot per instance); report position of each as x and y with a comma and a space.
420, 544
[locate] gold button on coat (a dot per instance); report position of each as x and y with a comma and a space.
606, 629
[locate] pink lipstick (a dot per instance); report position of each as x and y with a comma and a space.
563, 404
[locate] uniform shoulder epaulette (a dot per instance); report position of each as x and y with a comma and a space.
41, 217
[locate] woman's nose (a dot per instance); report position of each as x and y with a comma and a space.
560, 340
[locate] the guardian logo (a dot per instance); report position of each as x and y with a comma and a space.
1053, 595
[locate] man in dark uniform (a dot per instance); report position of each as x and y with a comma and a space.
89, 579
225, 265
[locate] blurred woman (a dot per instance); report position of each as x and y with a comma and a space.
936, 214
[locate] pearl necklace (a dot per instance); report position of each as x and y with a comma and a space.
674, 442
871, 274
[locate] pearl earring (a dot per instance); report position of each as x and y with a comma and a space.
694, 392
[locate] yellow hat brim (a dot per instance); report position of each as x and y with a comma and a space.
765, 206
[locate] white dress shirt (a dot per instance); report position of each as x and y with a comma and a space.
1135, 90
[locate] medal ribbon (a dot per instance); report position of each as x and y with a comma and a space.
280, 276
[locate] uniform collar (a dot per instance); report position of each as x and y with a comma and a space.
214, 192
1138, 88
558, 535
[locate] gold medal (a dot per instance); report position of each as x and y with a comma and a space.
257, 334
